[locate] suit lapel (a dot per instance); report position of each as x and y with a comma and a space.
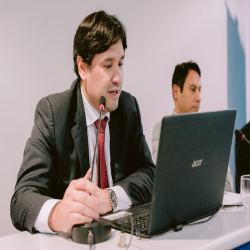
116, 148
79, 134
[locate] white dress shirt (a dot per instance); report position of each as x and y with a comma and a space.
123, 201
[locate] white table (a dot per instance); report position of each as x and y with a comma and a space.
226, 230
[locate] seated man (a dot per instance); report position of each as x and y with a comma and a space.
242, 157
186, 87
53, 190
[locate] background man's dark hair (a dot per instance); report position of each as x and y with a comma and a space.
96, 34
181, 72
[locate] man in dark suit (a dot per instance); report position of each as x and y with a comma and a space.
242, 156
53, 191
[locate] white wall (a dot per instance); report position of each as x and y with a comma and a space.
36, 60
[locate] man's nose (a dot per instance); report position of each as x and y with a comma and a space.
197, 96
117, 75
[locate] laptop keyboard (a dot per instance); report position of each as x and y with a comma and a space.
140, 222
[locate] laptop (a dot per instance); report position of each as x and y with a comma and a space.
190, 174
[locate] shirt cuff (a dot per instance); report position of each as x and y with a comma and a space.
123, 200
41, 223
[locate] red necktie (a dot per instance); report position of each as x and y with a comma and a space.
102, 182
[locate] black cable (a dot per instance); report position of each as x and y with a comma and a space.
90, 239
200, 222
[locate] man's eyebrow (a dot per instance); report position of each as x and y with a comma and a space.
109, 59
193, 85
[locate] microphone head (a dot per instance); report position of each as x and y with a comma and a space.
102, 102
239, 134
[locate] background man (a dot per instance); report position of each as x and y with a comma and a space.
242, 156
186, 88
53, 191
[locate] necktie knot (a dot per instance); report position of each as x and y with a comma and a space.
102, 126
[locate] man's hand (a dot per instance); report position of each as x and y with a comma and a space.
83, 201
101, 196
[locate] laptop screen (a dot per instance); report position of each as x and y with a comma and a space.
191, 167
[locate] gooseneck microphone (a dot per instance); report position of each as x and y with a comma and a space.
240, 135
97, 231
102, 104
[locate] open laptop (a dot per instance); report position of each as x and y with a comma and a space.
190, 174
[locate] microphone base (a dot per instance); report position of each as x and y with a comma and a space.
100, 229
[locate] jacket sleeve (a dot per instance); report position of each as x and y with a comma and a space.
139, 184
37, 172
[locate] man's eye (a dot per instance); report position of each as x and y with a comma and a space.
193, 90
107, 66
121, 64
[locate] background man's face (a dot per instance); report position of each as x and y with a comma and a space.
105, 78
189, 99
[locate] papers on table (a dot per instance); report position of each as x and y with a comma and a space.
231, 199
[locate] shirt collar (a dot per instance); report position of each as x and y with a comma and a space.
91, 114
174, 113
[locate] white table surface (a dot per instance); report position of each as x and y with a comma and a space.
225, 231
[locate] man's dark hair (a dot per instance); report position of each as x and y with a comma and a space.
96, 34
181, 72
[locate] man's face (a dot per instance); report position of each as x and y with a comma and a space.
105, 78
189, 99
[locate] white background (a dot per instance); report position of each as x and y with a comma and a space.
36, 44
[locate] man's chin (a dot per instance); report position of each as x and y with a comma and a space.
195, 109
111, 106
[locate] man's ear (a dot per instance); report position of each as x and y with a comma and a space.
175, 91
82, 67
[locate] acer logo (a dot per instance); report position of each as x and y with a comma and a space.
197, 163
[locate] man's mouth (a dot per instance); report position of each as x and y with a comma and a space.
195, 107
113, 92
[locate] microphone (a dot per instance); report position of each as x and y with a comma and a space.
96, 231
102, 104
240, 135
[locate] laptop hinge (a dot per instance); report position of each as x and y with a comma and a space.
178, 228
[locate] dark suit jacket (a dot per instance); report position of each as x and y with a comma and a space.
57, 152
242, 156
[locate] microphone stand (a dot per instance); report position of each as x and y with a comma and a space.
96, 231
96, 142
